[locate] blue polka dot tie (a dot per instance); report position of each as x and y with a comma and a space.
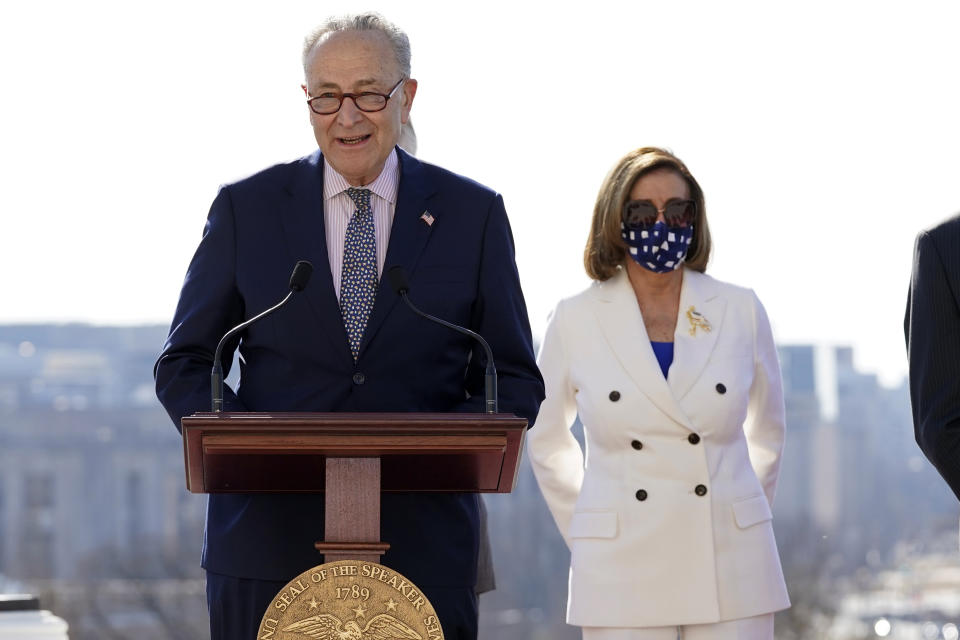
358, 278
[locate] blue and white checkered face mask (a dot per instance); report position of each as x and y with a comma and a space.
659, 248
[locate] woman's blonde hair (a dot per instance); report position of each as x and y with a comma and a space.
606, 251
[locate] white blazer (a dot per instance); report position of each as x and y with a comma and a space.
668, 515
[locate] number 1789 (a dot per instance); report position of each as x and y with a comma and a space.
353, 591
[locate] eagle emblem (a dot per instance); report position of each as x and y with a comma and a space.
328, 627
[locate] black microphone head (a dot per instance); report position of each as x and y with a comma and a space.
301, 275
398, 279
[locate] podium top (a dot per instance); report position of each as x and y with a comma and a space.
398, 420
254, 452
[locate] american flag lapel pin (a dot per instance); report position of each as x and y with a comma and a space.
428, 218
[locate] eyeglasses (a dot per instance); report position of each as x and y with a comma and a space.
368, 101
643, 213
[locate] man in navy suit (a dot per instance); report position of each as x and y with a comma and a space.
320, 354
932, 327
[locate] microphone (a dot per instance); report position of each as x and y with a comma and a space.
298, 282
398, 281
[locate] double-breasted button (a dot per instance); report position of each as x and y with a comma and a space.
641, 495
636, 444
614, 396
693, 438
700, 490
359, 378
721, 388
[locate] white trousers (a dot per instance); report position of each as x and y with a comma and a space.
755, 628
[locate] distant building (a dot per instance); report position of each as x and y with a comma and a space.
795, 492
91, 470
837, 473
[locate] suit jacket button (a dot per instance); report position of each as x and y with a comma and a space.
693, 438
359, 378
721, 388
614, 396
700, 490
641, 495
636, 444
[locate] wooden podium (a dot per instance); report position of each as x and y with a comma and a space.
351, 457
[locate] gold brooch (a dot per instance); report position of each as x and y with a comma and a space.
697, 321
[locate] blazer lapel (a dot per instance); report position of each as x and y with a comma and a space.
618, 315
306, 239
408, 237
698, 325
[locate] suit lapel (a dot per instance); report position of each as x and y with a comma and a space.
408, 237
618, 315
306, 238
698, 325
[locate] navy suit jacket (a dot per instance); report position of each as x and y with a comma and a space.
932, 327
461, 268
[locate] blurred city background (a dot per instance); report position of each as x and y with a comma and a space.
96, 520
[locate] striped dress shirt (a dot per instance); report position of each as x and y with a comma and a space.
338, 208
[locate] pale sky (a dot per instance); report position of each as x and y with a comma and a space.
824, 135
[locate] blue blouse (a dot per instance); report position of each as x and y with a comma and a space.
664, 353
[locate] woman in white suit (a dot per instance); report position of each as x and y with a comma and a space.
675, 378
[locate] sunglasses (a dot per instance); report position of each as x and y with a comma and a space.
643, 213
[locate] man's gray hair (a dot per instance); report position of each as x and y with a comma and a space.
363, 22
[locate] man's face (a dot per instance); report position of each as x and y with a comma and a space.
354, 142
